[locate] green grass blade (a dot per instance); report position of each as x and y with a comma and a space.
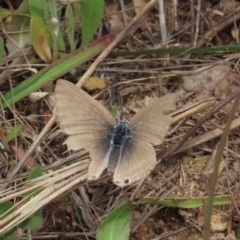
202, 50
1, 50
189, 203
14, 132
56, 70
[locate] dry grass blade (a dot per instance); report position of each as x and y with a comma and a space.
51, 192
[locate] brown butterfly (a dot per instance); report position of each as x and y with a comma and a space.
123, 148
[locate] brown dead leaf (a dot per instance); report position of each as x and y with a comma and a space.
216, 81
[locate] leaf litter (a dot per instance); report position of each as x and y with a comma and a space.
185, 175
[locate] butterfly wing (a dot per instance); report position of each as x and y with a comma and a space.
151, 124
137, 160
87, 122
149, 128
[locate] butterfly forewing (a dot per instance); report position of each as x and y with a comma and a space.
87, 122
152, 123
77, 110
137, 160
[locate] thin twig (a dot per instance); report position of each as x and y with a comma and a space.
107, 50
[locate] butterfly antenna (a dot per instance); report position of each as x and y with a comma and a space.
116, 96
120, 104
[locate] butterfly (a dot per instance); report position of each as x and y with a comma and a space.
123, 148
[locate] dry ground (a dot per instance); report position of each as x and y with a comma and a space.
183, 173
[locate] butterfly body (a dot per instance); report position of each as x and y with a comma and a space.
120, 137
124, 149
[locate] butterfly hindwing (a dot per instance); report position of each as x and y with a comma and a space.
137, 160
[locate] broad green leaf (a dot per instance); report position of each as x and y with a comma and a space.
36, 8
91, 16
116, 226
4, 207
35, 220
14, 132
35, 173
10, 235
70, 25
40, 39
5, 210
31, 223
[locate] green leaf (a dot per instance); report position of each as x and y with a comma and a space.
36, 8
14, 132
5, 210
116, 224
40, 39
35, 173
31, 223
91, 16
4, 207
70, 25
9, 235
